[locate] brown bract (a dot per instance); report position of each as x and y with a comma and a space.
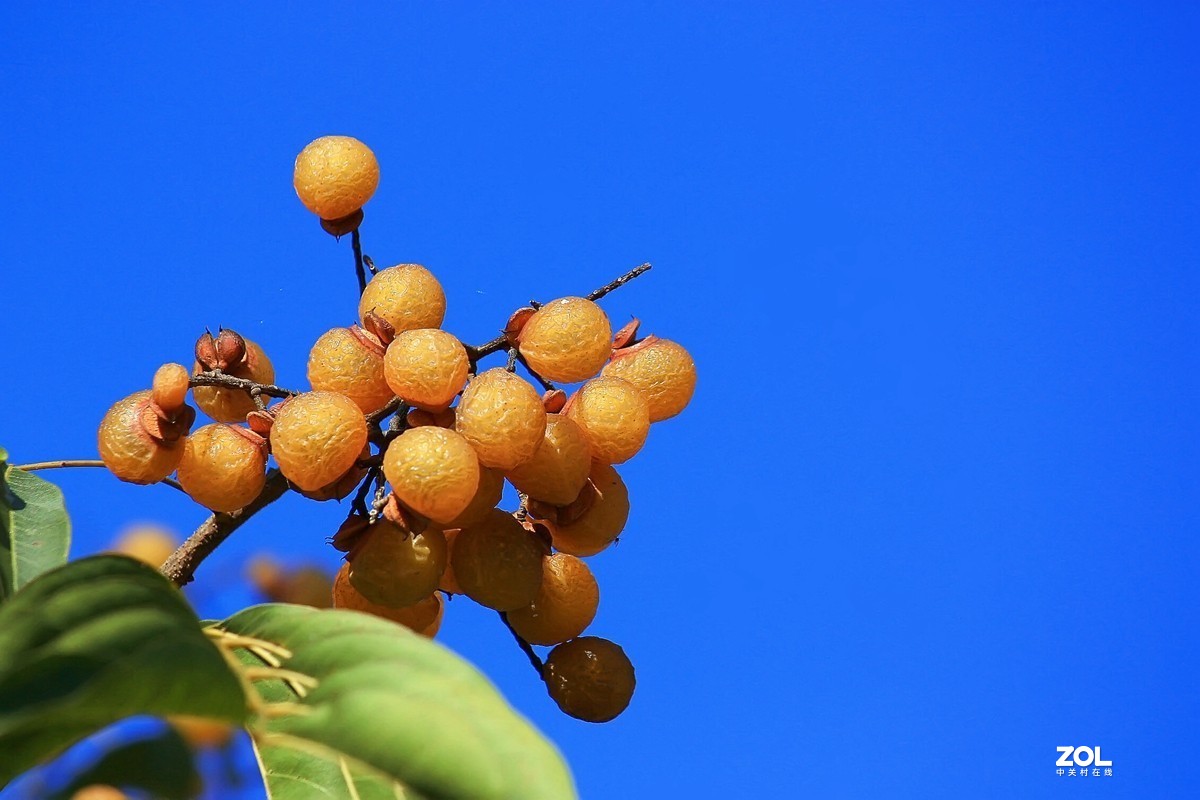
317, 437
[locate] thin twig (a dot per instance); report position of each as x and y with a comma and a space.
526, 647
547, 385
619, 282
82, 462
182, 564
374, 270
245, 384
356, 245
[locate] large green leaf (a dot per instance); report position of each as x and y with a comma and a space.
162, 766
96, 641
35, 532
391, 711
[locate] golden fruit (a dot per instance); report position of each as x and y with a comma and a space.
317, 437
335, 176
427, 367
223, 467
590, 678
662, 369
502, 417
350, 361
433, 471
170, 387
424, 616
565, 604
487, 496
498, 563
566, 340
601, 523
407, 296
232, 405
614, 417
394, 567
559, 467
128, 450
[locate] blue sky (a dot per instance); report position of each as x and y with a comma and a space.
932, 512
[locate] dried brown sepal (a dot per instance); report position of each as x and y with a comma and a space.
540, 511
542, 530
379, 327
350, 532
554, 400
418, 418
512, 330
231, 349
627, 335
206, 351
261, 421
343, 486
253, 436
402, 516
337, 228
163, 427
368, 339
170, 387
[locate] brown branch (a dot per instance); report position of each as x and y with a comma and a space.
82, 462
526, 647
619, 282
245, 384
359, 270
182, 564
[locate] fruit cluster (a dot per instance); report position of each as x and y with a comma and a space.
401, 410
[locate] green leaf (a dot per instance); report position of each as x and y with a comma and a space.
35, 532
161, 766
391, 712
96, 641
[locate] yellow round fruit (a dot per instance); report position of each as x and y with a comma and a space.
498, 563
502, 417
423, 616
433, 471
317, 437
335, 176
590, 678
396, 568
559, 467
407, 296
600, 524
350, 361
565, 604
662, 369
223, 468
487, 496
128, 450
232, 405
427, 367
566, 340
614, 417
149, 544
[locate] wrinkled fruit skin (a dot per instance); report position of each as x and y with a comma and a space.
602, 523
424, 616
222, 469
349, 361
427, 367
487, 496
128, 451
590, 678
232, 405
662, 369
433, 471
559, 467
407, 296
395, 568
335, 176
614, 417
565, 604
567, 340
502, 417
149, 544
498, 563
317, 437
170, 387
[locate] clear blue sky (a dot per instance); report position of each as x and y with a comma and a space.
933, 512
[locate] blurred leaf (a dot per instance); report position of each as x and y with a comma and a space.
94, 642
35, 532
401, 715
161, 766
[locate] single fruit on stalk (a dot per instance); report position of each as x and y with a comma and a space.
559, 466
427, 367
433, 471
596, 521
566, 340
335, 176
132, 444
498, 563
614, 417
394, 567
502, 417
317, 437
423, 616
407, 296
662, 369
590, 678
350, 361
565, 604
225, 404
223, 467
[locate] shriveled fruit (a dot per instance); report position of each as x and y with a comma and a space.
559, 467
427, 367
433, 471
662, 369
502, 417
223, 467
487, 496
601, 522
225, 404
394, 567
317, 437
201, 733
566, 340
407, 296
347, 483
350, 361
128, 449
149, 544
590, 678
423, 616
170, 386
498, 563
565, 604
335, 176
614, 417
